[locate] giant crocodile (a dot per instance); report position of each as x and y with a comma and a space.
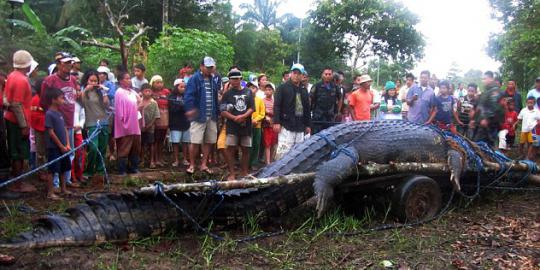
332, 154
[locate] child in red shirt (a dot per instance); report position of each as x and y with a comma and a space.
507, 134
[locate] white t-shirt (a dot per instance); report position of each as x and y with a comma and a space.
137, 84
529, 118
403, 96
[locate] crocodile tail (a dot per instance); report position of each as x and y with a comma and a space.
107, 218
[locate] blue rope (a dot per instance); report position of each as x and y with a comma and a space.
43, 166
160, 192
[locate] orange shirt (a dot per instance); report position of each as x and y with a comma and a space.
360, 101
18, 90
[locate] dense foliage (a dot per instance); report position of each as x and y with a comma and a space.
177, 47
518, 47
257, 41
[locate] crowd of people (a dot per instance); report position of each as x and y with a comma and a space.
230, 121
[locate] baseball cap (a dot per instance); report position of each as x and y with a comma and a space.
389, 85
224, 79
298, 67
63, 57
209, 62
234, 74
76, 59
102, 69
177, 82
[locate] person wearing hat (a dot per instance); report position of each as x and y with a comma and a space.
362, 98
237, 106
106, 83
201, 104
421, 101
292, 112
325, 101
160, 95
76, 69
178, 123
535, 92
390, 103
62, 79
18, 93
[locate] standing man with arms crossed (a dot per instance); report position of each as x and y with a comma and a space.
325, 101
292, 115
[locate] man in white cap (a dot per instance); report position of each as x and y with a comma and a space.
18, 94
76, 69
201, 104
362, 100
292, 113
63, 80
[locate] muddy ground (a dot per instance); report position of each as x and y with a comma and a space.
500, 230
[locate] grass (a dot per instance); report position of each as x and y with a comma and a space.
15, 222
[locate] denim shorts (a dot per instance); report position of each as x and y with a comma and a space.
178, 136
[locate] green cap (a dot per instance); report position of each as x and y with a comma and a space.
389, 85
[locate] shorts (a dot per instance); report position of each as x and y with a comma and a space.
234, 140
160, 135
147, 138
525, 137
18, 145
40, 142
270, 137
286, 140
178, 136
62, 165
221, 142
203, 132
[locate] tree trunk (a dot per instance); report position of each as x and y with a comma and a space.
123, 51
165, 20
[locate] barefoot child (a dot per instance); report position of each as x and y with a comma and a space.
178, 122
445, 109
270, 137
57, 143
529, 117
150, 110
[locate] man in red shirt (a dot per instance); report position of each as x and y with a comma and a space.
18, 93
361, 100
64, 81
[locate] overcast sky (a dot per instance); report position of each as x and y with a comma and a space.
455, 31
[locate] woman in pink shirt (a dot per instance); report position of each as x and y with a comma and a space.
127, 131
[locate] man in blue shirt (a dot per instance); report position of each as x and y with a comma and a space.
422, 102
201, 104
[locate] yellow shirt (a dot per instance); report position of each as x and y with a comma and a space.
258, 114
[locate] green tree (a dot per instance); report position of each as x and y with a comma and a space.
367, 28
518, 47
177, 46
261, 12
386, 70
473, 76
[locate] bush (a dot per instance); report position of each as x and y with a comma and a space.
176, 47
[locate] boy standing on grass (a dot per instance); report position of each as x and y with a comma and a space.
150, 110
270, 137
57, 143
529, 117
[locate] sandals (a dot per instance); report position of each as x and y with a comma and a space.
190, 170
175, 164
207, 170
53, 197
186, 163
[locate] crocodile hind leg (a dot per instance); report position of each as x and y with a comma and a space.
456, 163
331, 174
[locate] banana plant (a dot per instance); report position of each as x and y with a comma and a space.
62, 37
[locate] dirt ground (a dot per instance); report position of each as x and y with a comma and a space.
500, 230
